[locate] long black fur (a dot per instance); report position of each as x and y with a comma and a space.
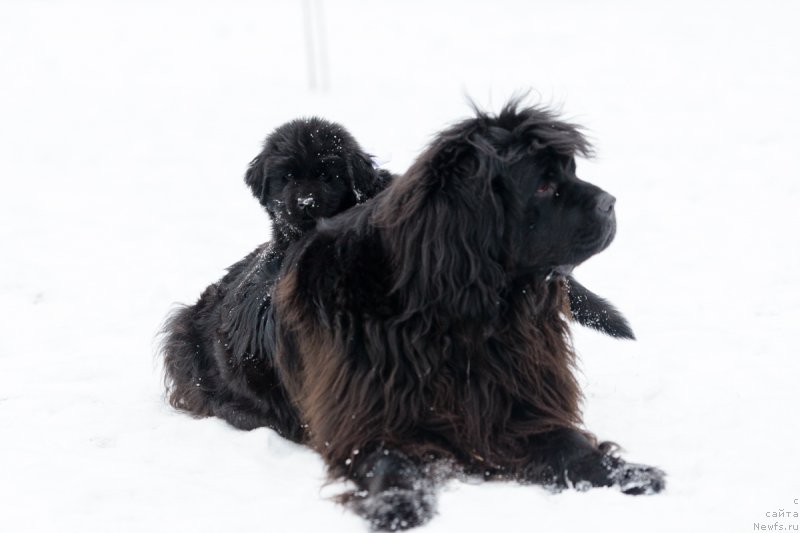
218, 352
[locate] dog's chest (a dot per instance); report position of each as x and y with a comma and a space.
487, 387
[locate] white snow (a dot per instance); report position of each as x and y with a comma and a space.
127, 128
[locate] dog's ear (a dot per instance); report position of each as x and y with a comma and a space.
447, 231
592, 311
365, 180
256, 178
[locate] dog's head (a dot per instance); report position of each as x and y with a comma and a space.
310, 169
493, 196
556, 220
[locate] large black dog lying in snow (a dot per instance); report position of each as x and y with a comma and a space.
428, 323
425, 324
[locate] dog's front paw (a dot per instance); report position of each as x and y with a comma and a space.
639, 479
605, 470
396, 509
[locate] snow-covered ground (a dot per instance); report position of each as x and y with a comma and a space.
126, 129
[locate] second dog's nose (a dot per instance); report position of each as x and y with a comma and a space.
605, 203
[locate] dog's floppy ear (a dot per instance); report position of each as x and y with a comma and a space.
592, 311
446, 229
365, 180
256, 178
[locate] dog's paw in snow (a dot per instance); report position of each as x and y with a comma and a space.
605, 470
396, 509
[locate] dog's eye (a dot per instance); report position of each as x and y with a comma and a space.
288, 177
545, 188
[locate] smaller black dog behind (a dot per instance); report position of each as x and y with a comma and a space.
311, 169
218, 352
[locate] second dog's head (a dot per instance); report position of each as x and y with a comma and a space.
310, 169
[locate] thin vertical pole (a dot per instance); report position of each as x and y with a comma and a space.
311, 61
322, 47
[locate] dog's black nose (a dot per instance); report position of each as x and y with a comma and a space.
306, 203
605, 203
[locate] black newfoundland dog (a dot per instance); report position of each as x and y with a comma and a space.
423, 332
428, 324
218, 352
